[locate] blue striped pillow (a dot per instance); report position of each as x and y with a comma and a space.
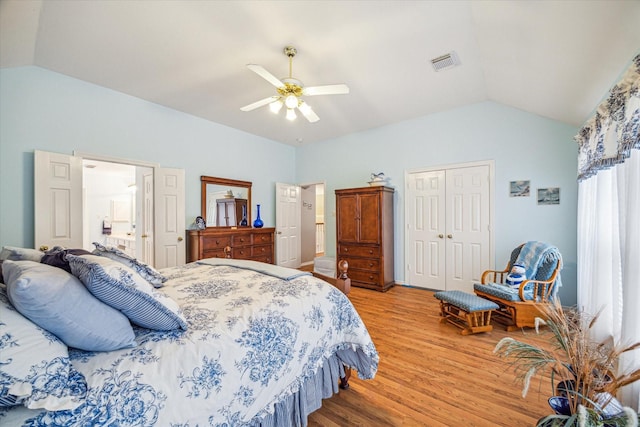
122, 288
149, 273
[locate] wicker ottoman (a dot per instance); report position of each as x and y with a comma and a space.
468, 312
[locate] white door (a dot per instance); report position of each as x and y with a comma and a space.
467, 226
169, 220
58, 200
146, 213
288, 225
425, 229
448, 227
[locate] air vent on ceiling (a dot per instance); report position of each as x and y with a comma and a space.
445, 61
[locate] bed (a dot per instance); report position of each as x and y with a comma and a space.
251, 344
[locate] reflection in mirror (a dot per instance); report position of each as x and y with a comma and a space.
225, 202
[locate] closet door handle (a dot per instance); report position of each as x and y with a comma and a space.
449, 236
441, 236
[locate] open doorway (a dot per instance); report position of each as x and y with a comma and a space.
118, 207
312, 223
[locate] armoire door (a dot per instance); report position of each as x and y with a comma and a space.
347, 207
448, 227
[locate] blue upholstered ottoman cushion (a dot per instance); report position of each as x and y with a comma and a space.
465, 301
503, 292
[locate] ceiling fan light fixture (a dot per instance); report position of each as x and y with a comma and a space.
276, 106
291, 101
291, 115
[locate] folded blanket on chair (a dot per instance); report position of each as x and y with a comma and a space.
540, 260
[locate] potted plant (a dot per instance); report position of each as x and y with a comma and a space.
584, 372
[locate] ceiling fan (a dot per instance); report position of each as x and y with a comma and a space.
291, 90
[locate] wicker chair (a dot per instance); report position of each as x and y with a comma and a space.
519, 306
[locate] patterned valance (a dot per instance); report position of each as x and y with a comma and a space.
608, 138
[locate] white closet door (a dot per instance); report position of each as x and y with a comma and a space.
426, 226
57, 200
170, 246
448, 227
467, 235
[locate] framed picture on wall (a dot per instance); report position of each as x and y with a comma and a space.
519, 188
549, 196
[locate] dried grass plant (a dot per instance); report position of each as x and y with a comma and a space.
583, 370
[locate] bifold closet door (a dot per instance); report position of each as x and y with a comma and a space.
448, 228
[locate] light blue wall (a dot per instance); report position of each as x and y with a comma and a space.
43, 110
523, 146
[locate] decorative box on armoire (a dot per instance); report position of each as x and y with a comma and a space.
364, 228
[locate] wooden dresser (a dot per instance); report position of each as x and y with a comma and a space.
364, 228
245, 243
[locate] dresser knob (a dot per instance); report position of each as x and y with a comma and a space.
370, 251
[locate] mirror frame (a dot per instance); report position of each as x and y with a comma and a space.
204, 180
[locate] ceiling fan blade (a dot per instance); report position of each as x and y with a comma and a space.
259, 70
340, 89
260, 103
308, 113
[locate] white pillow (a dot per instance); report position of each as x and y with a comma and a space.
122, 288
36, 370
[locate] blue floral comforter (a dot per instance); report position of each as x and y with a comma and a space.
254, 344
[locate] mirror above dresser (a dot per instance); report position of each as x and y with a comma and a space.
225, 202
225, 206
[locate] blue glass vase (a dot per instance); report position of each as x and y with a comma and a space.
258, 222
243, 222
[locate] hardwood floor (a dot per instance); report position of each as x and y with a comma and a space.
429, 374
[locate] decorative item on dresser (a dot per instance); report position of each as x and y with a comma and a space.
244, 243
364, 226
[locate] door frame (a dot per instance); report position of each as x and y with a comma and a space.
491, 165
324, 202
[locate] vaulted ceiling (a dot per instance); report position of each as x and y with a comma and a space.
556, 59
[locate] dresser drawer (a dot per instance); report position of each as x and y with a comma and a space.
363, 251
217, 242
240, 240
364, 276
372, 264
214, 253
266, 259
261, 238
241, 253
261, 251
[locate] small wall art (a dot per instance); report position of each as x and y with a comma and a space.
519, 188
549, 196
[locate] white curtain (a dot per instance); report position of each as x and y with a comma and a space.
609, 220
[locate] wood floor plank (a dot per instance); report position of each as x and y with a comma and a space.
429, 374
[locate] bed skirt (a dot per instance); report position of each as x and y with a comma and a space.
293, 410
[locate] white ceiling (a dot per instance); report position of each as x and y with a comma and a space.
556, 59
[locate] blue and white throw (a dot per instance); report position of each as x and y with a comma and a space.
540, 260
256, 349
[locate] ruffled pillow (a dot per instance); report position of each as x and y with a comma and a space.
36, 371
122, 288
58, 302
149, 273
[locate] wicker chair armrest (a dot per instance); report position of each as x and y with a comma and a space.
495, 274
547, 287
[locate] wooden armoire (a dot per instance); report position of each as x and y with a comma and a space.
364, 228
